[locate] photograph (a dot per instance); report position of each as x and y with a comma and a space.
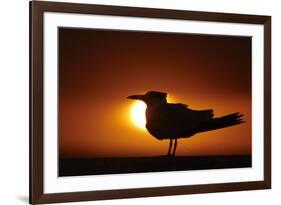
129, 102
142, 101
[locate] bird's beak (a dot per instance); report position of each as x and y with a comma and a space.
136, 97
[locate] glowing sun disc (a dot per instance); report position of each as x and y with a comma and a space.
138, 114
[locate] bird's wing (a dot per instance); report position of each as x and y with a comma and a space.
179, 115
175, 120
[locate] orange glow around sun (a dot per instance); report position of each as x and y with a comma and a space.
95, 118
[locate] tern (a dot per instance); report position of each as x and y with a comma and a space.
175, 120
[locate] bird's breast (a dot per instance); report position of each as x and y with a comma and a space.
165, 125
153, 123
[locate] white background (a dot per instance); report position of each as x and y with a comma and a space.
14, 101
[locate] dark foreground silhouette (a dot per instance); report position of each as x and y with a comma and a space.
173, 121
97, 166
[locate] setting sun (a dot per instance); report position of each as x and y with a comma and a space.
138, 114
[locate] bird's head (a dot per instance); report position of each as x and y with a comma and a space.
151, 98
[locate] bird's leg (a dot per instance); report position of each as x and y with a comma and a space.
175, 147
170, 146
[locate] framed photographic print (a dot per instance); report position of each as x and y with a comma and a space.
138, 102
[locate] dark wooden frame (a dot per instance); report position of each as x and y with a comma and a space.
37, 9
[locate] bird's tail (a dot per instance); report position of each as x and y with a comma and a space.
222, 122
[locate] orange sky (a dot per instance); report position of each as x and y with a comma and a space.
98, 69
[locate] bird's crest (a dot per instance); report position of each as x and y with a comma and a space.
156, 94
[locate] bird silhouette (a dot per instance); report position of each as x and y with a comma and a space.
175, 120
